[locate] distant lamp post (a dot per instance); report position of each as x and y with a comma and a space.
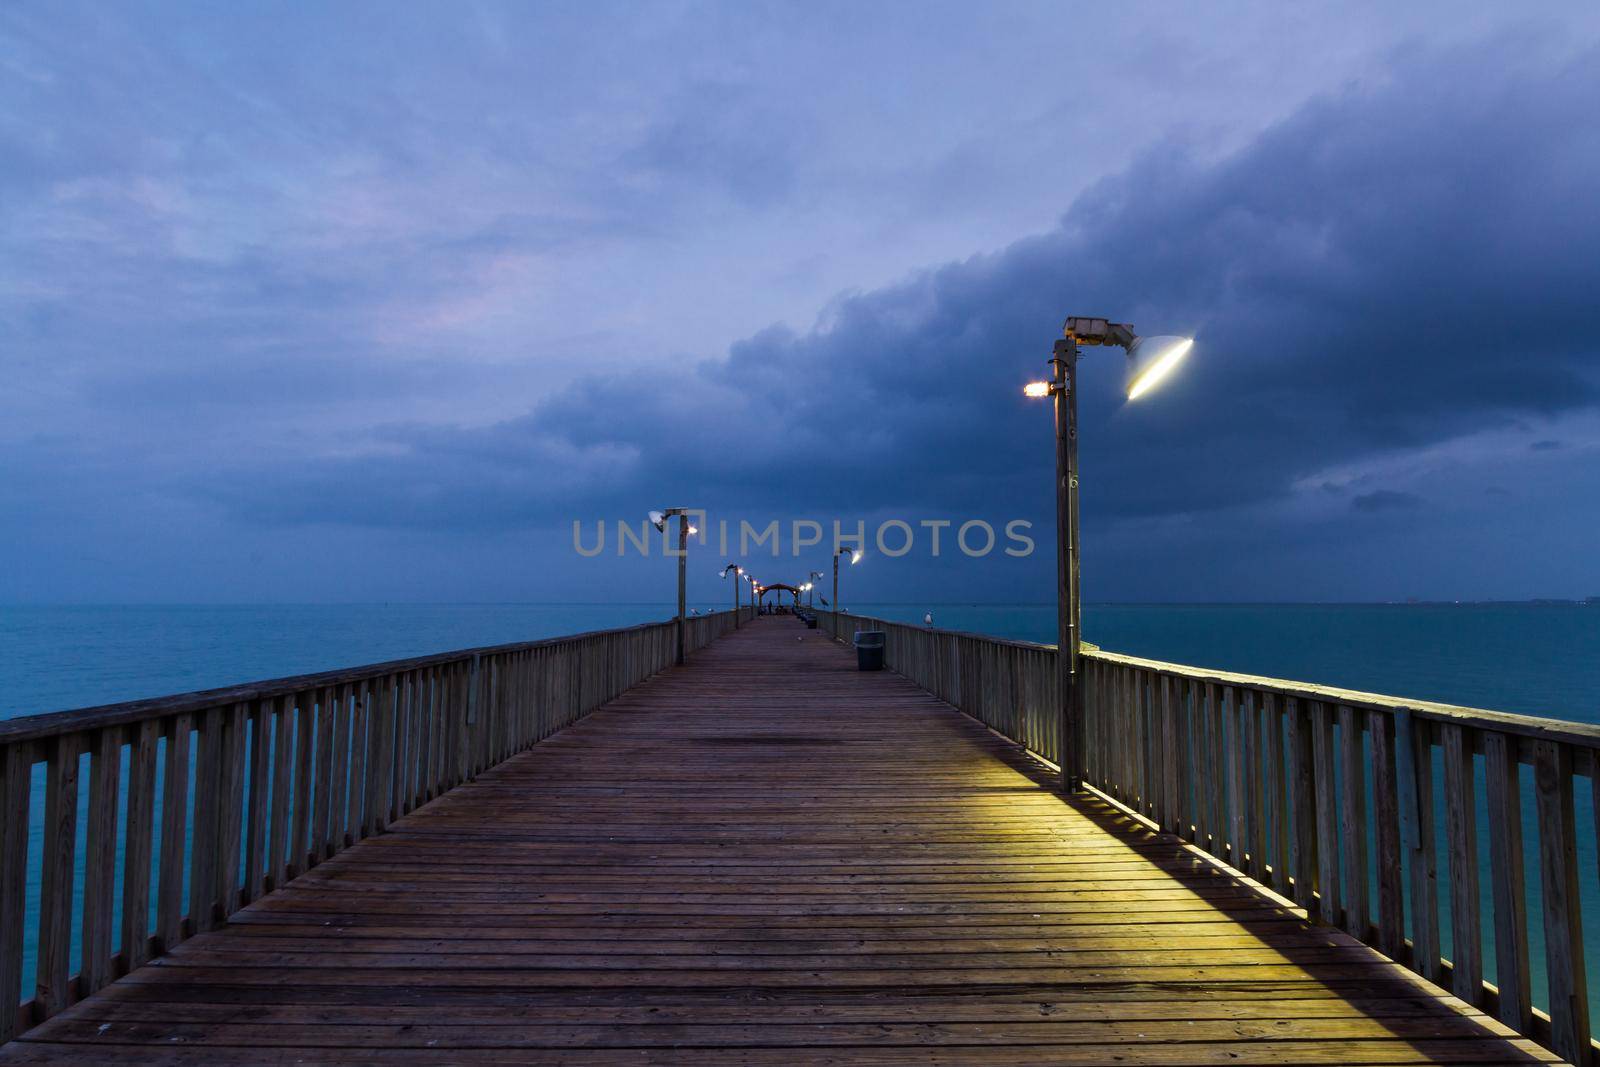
855, 557
735, 570
1150, 360
658, 519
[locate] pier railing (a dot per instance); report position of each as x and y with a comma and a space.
199, 804
1407, 823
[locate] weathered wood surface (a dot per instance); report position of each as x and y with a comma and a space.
1329, 794
767, 857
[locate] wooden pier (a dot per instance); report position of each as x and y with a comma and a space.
763, 857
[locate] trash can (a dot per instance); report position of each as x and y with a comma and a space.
811, 622
869, 650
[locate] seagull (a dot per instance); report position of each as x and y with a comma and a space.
927, 620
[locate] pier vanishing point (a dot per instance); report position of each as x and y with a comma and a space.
573, 852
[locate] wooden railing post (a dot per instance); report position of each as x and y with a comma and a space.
1461, 833
1386, 836
100, 856
1323, 755
1303, 805
203, 905
1504, 796
1563, 916
174, 816
1353, 820
16, 782
1415, 763
139, 843
262, 715
56, 874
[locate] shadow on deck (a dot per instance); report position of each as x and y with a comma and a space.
767, 857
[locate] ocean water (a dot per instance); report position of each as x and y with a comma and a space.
54, 658
1533, 659
1538, 659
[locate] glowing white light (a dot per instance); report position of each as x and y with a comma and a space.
1036, 389
1150, 359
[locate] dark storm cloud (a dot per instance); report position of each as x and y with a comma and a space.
1394, 266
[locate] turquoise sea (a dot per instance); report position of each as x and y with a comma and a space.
1538, 659
1529, 658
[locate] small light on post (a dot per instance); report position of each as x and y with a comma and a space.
1036, 390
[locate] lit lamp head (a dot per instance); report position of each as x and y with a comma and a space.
1150, 359
658, 519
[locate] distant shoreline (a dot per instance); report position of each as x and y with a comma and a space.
1577, 602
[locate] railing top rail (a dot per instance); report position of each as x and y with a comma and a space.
1545, 729
55, 723
1534, 726
1012, 641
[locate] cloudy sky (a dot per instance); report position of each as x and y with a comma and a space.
371, 303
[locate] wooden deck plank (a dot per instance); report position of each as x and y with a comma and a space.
767, 857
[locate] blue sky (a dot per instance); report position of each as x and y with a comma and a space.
370, 303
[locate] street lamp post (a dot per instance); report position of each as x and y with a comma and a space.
659, 520
1150, 359
736, 571
855, 557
